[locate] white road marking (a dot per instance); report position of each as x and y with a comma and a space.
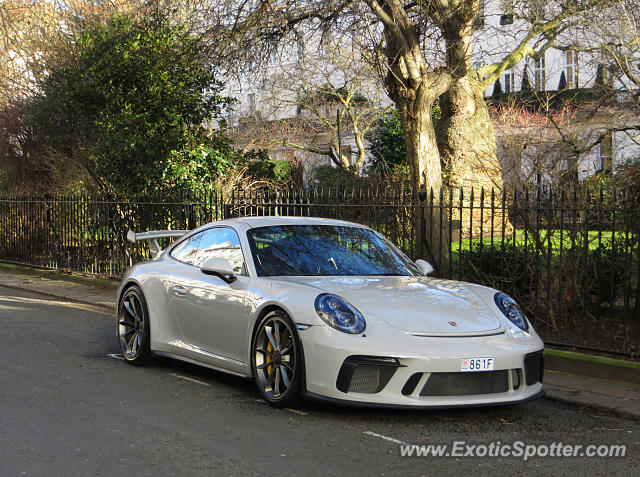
295, 411
186, 378
116, 356
386, 438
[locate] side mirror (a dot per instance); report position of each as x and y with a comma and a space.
219, 267
424, 267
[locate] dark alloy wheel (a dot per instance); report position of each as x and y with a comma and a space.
133, 326
277, 360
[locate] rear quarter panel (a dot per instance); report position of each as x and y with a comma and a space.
150, 277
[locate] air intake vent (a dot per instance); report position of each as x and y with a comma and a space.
533, 367
464, 384
410, 385
366, 374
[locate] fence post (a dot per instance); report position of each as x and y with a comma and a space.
226, 208
422, 225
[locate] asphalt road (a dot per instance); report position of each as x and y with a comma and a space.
68, 408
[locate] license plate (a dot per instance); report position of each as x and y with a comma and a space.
476, 364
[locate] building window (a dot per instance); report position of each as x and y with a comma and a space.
539, 74
507, 12
508, 79
606, 152
571, 172
604, 73
274, 57
571, 68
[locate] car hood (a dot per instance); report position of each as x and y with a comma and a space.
417, 305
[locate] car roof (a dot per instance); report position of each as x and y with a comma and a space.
266, 221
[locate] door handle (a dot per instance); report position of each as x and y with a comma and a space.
178, 290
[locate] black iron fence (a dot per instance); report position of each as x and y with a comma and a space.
88, 234
571, 258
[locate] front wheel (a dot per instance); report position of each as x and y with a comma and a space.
133, 326
277, 360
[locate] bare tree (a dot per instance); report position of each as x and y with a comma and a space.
334, 97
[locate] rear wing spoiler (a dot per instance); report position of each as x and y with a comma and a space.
153, 236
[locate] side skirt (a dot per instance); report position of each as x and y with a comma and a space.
246, 374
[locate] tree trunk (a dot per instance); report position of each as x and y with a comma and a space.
465, 132
426, 173
420, 140
466, 138
467, 144
414, 89
362, 153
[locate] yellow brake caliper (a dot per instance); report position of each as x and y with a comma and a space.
268, 358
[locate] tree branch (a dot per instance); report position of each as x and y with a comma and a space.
490, 73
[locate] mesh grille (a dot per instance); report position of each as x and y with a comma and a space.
464, 384
365, 379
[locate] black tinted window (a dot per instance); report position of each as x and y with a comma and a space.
325, 250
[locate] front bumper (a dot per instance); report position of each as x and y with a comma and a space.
418, 359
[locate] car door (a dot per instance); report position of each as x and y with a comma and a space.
211, 313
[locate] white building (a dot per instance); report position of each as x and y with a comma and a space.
555, 69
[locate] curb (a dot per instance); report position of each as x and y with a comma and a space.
589, 400
592, 366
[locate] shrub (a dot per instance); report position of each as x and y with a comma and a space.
135, 96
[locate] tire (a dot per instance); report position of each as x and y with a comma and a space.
132, 327
276, 360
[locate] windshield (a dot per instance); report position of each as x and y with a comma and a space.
325, 250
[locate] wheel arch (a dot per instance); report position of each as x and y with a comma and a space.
126, 284
261, 313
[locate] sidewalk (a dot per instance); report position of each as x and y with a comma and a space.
81, 289
619, 397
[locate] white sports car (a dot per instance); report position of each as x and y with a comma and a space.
329, 310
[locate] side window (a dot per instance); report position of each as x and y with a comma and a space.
221, 243
187, 250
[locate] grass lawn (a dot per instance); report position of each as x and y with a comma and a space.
556, 239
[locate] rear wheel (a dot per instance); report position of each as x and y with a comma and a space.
277, 360
133, 326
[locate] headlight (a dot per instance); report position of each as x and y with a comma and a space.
336, 312
511, 310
